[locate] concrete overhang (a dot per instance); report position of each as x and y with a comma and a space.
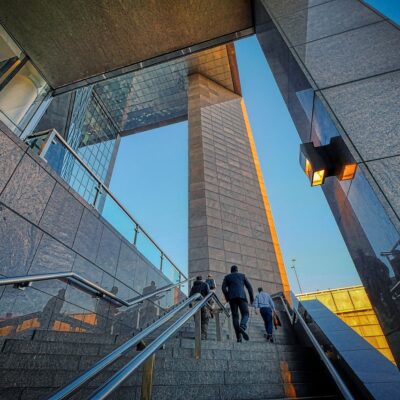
80, 42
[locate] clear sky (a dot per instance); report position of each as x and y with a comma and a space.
151, 180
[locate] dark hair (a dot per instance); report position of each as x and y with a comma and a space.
260, 289
234, 268
199, 278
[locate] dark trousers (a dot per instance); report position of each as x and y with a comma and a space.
266, 314
236, 305
205, 316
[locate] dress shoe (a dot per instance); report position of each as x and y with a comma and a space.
244, 334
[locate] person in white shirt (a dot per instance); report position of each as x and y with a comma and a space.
265, 304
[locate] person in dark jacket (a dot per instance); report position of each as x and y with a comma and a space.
233, 290
211, 282
202, 287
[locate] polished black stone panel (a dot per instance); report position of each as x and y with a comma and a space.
21, 310
368, 112
372, 241
107, 256
386, 174
353, 55
293, 84
316, 22
10, 155
62, 215
75, 295
18, 243
280, 8
88, 237
51, 256
28, 190
140, 277
127, 263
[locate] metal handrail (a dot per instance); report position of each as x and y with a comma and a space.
52, 133
69, 390
26, 280
328, 364
119, 377
141, 298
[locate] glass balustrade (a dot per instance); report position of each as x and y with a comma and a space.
51, 147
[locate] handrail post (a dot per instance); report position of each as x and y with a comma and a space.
43, 151
97, 194
136, 234
218, 326
161, 261
197, 335
147, 377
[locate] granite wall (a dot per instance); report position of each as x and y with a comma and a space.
46, 227
337, 64
229, 217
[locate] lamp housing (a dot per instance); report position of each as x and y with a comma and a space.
333, 159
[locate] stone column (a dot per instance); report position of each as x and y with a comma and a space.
337, 65
230, 221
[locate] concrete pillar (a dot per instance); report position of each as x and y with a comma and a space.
230, 221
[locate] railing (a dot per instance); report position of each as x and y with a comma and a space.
22, 282
51, 147
146, 355
294, 316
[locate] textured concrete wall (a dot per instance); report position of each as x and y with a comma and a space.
46, 227
228, 221
337, 64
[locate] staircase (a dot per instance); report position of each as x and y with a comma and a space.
34, 367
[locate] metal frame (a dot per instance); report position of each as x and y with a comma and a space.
101, 188
328, 364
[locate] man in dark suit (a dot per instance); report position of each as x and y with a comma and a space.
233, 289
202, 287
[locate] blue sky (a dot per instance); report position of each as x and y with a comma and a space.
151, 179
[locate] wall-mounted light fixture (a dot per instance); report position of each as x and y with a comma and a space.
333, 159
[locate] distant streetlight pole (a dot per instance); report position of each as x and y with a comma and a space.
295, 272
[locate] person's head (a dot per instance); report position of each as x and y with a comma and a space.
209, 276
260, 289
152, 283
114, 290
234, 268
199, 278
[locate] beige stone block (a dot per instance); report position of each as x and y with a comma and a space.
216, 254
197, 253
249, 261
232, 246
234, 258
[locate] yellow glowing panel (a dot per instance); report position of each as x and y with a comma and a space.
348, 172
307, 168
318, 178
352, 306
